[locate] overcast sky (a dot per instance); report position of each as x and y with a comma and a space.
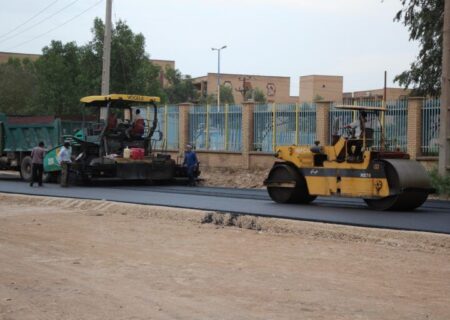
356, 39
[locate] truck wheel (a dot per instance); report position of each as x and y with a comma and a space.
26, 172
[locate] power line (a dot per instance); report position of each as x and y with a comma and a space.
57, 27
24, 23
40, 21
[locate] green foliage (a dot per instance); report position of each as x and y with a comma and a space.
440, 183
226, 96
209, 99
257, 95
424, 20
57, 71
131, 69
180, 88
18, 86
317, 98
64, 73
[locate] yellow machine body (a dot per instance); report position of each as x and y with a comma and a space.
362, 179
385, 180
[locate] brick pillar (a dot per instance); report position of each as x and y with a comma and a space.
183, 125
323, 122
414, 133
247, 132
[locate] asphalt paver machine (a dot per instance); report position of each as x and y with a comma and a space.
108, 150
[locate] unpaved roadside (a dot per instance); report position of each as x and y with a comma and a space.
76, 259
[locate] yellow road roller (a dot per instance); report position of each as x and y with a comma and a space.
350, 167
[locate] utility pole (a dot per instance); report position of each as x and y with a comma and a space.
444, 145
106, 55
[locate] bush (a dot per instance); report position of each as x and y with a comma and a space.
440, 183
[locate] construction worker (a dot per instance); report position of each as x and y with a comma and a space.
358, 125
37, 161
191, 163
64, 160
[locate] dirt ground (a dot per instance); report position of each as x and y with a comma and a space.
233, 178
77, 259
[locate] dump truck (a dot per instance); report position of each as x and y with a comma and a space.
20, 134
350, 167
109, 149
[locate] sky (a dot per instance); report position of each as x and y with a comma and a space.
356, 39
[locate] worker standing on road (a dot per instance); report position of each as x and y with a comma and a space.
37, 161
191, 163
64, 160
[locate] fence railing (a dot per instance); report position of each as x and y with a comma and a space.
220, 128
396, 125
396, 118
216, 127
167, 125
277, 125
430, 127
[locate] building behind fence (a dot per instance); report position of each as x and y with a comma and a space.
411, 125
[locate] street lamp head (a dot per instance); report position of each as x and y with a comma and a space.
223, 47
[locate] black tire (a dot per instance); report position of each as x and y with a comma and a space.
299, 194
26, 169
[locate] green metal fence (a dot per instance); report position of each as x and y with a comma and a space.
396, 125
216, 127
395, 121
277, 125
167, 126
430, 127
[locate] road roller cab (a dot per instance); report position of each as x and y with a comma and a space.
350, 167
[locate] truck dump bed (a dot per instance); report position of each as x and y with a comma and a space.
22, 134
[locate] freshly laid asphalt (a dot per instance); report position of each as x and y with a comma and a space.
433, 216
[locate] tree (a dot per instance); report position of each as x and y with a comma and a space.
58, 71
257, 95
226, 94
17, 86
67, 72
131, 69
424, 20
180, 88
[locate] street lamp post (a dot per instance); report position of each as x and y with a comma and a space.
218, 73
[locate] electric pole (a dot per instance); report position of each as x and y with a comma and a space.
106, 56
444, 145
107, 49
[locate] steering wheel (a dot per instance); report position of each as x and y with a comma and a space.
348, 132
123, 126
